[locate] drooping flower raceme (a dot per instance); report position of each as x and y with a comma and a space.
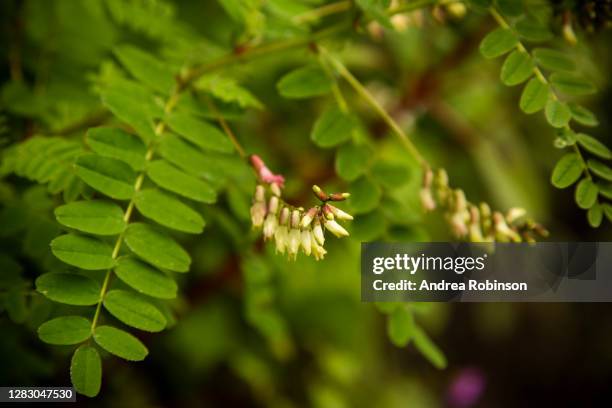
293, 228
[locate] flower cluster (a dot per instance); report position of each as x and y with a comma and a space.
293, 228
477, 223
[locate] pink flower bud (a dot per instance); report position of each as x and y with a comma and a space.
327, 212
264, 174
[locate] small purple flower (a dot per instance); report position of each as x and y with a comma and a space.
466, 388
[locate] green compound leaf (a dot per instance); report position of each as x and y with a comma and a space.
605, 189
600, 169
65, 330
567, 171
69, 288
586, 194
200, 133
365, 195
172, 179
146, 68
134, 310
86, 371
304, 82
594, 146
145, 279
131, 103
111, 177
352, 161
531, 29
571, 84
95, 217
607, 209
534, 96
427, 347
582, 115
595, 215
117, 144
498, 42
168, 211
553, 60
84, 252
333, 128
120, 343
157, 248
557, 113
400, 326
517, 68
390, 175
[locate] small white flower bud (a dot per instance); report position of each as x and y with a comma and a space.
427, 200
275, 188
338, 213
260, 194
306, 241
258, 212
336, 228
269, 226
294, 242
295, 219
281, 237
284, 216
514, 214
308, 217
317, 231
317, 250
273, 205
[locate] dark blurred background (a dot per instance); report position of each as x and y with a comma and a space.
310, 341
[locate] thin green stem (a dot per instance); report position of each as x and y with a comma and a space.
260, 51
159, 130
323, 11
363, 92
228, 131
540, 75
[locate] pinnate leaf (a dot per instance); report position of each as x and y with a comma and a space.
65, 330
111, 177
553, 60
200, 133
156, 247
517, 68
120, 343
172, 179
586, 193
571, 84
69, 288
595, 215
145, 279
498, 42
534, 96
95, 217
86, 371
146, 68
332, 128
82, 251
600, 169
134, 310
304, 82
567, 171
168, 211
557, 113
352, 161
117, 144
594, 146
582, 115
